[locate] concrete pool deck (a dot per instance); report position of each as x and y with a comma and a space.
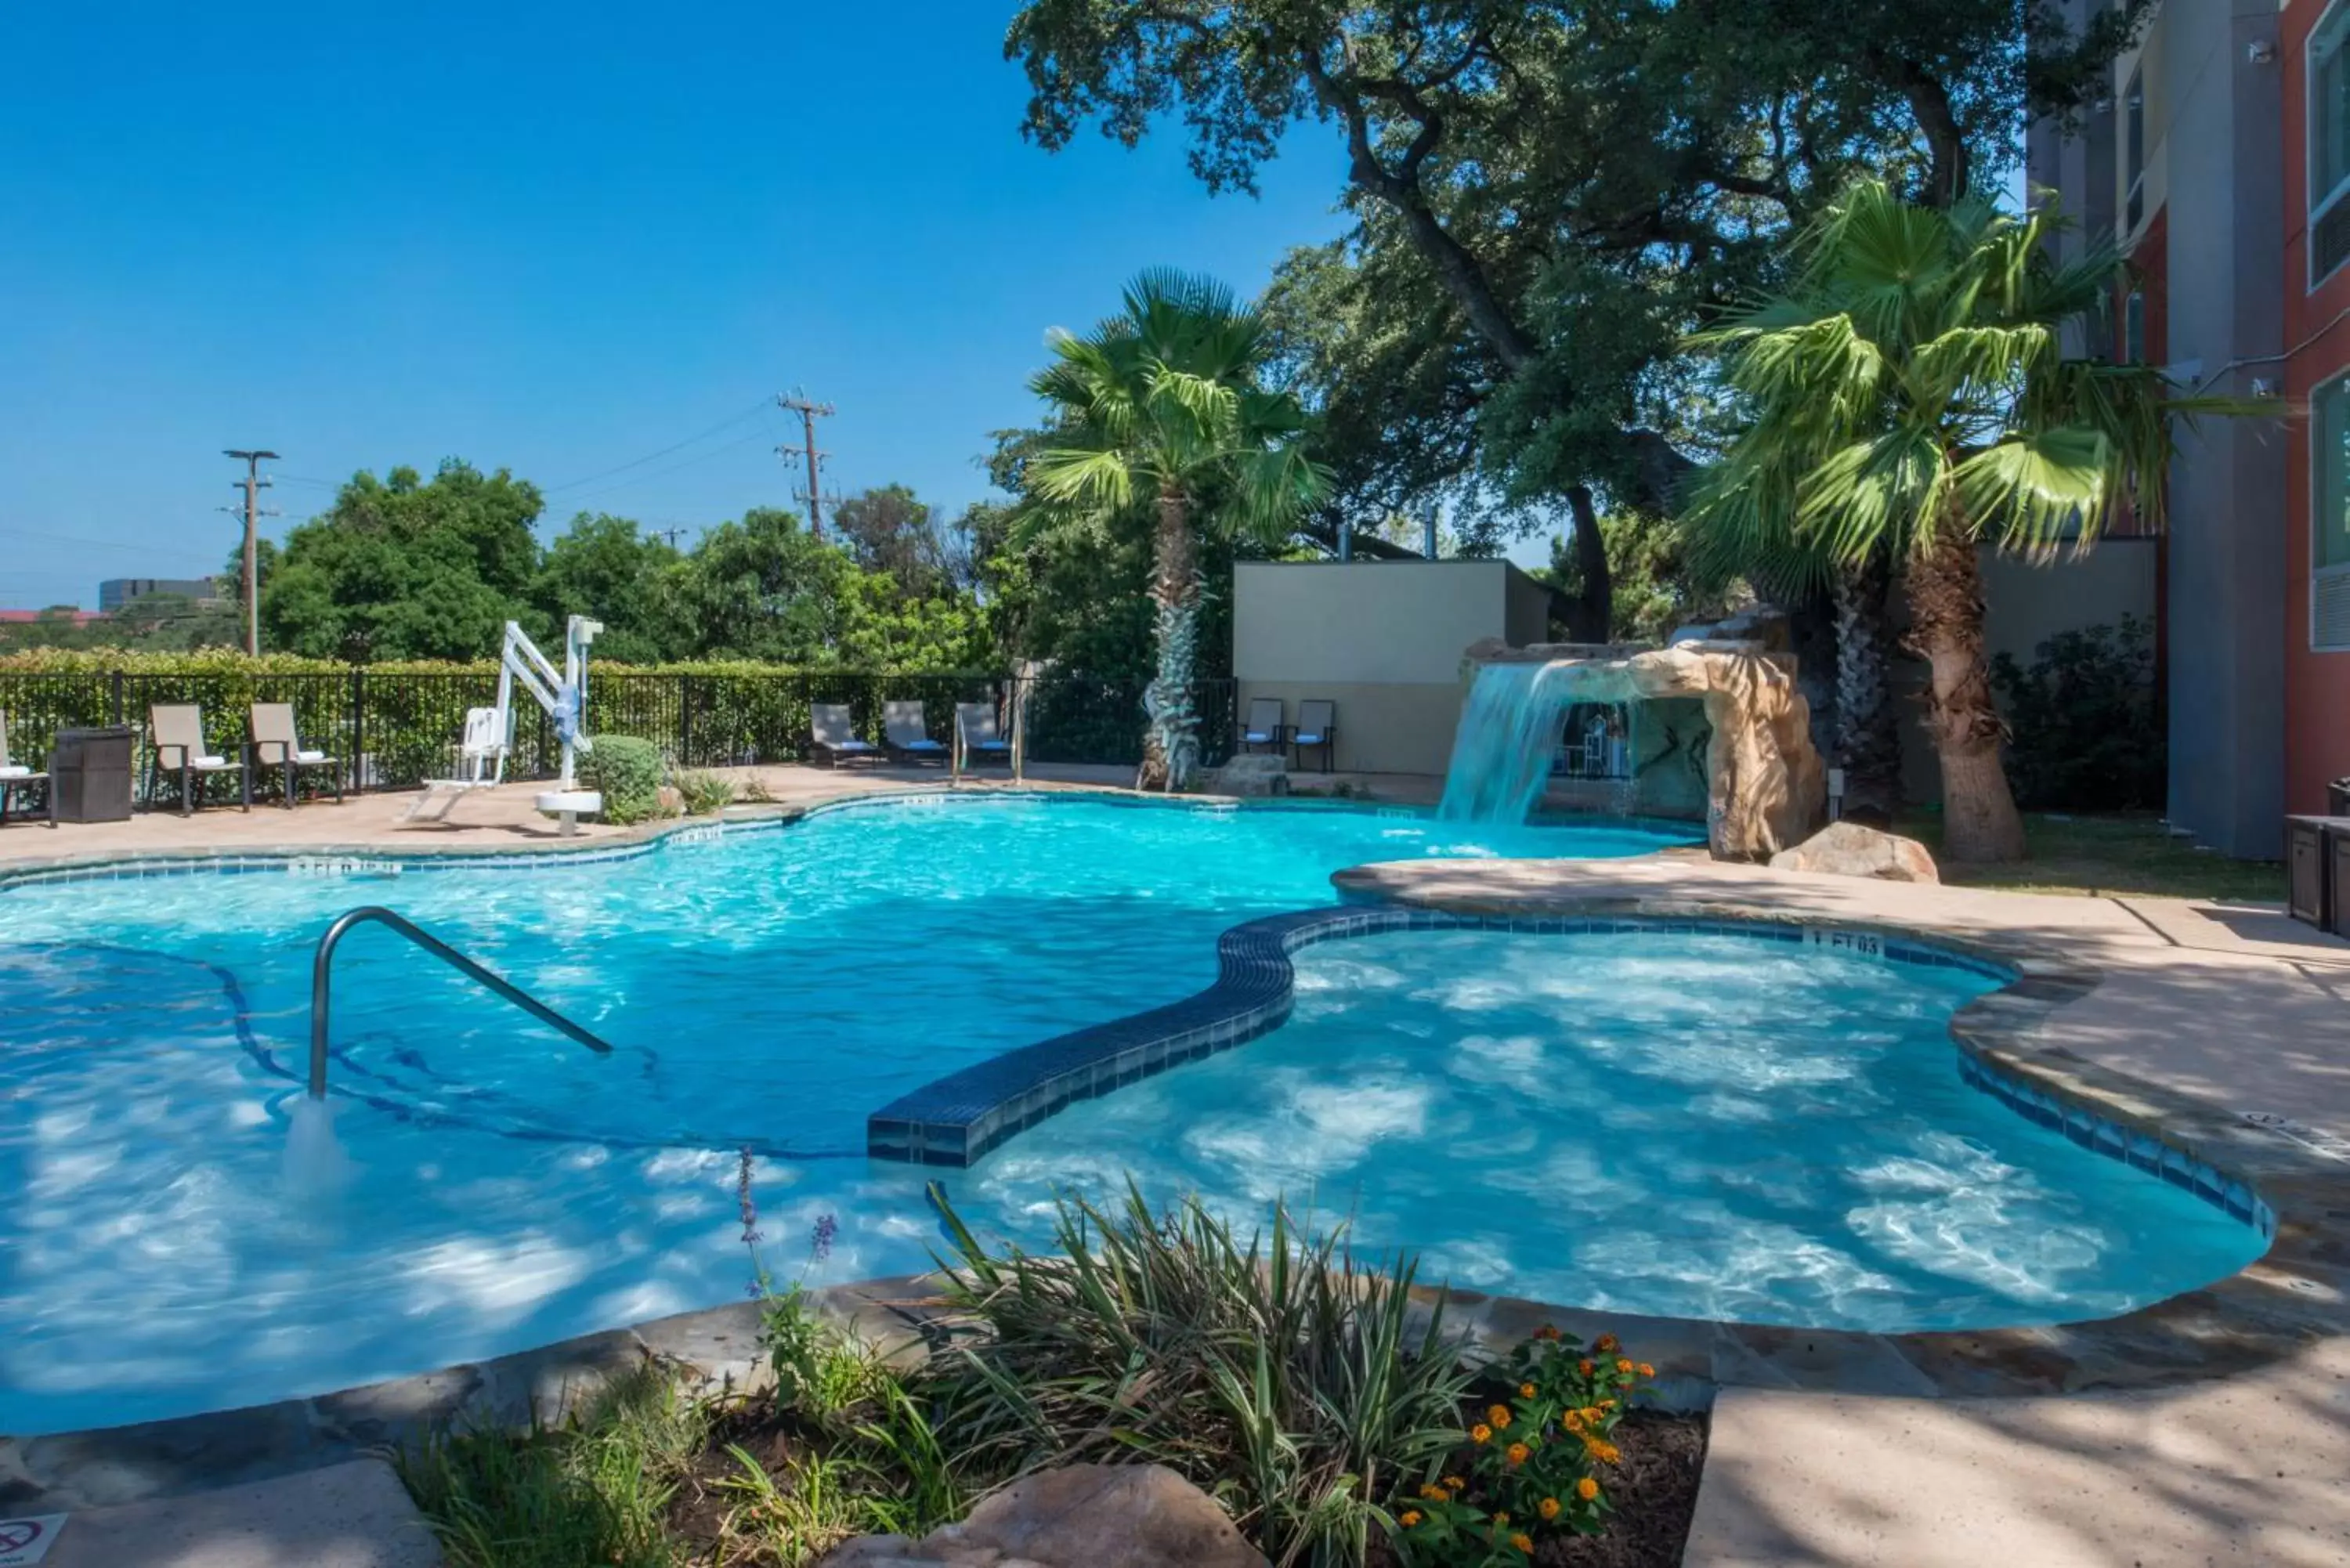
2233, 1008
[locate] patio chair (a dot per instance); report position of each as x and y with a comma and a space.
176, 732
831, 734
15, 776
1265, 725
481, 765
907, 735
1317, 726
981, 741
277, 743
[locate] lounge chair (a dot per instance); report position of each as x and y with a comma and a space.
831, 734
276, 744
981, 741
1318, 725
1265, 727
15, 776
907, 735
481, 765
177, 732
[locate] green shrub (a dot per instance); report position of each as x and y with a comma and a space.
704, 793
2085, 721
627, 772
1297, 1385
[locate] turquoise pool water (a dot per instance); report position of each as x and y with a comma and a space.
495, 1186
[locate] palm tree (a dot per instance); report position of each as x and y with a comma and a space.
1160, 406
1910, 400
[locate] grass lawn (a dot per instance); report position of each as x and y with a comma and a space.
2122, 852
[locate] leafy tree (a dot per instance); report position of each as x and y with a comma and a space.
1548, 191
604, 567
1160, 407
1910, 396
407, 568
889, 531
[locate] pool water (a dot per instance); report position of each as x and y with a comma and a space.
1653, 1123
1693, 1126
507, 1186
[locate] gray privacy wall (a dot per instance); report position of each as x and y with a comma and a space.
1383, 640
2214, 198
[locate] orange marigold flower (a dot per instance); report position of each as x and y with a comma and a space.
1548, 1507
1546, 1332
1453, 1483
1647, 1370
1481, 1433
1583, 1367
1606, 1453
1411, 1517
1500, 1416
1572, 1421
1434, 1493
1520, 1541
1622, 1364
1519, 1453
1607, 1343
1526, 1390
1608, 1404
1586, 1488
1501, 1519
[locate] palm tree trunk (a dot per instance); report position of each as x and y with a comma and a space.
1170, 747
1868, 734
1979, 825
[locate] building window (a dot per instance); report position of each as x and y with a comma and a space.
2329, 144
2134, 149
2329, 554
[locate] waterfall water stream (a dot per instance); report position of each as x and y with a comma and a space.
1509, 740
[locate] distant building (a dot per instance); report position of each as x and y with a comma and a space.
116, 592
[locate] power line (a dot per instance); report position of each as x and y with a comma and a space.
673, 468
78, 539
758, 408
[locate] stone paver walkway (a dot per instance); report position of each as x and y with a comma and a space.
351, 1515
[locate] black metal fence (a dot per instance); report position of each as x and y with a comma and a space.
394, 729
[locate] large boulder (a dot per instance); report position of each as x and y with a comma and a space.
1850, 849
1250, 774
1766, 787
1080, 1516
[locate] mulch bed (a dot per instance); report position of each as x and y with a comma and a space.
1655, 1492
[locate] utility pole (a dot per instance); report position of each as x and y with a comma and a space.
798, 403
253, 485
672, 535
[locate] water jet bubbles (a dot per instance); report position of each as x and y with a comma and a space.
313, 1163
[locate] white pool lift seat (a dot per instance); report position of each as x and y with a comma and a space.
481, 765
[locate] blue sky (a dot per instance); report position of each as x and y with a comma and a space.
551, 237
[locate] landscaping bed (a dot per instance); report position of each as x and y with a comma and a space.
1328, 1416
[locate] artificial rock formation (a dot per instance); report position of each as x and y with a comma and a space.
1851, 849
1080, 1516
1766, 788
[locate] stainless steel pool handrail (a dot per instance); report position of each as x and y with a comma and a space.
321, 977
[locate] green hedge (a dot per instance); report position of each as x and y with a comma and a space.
406, 718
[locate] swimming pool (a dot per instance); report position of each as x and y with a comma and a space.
499, 1187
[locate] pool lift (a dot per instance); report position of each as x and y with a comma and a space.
489, 732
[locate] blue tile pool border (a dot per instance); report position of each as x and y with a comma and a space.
958, 1120
362, 862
